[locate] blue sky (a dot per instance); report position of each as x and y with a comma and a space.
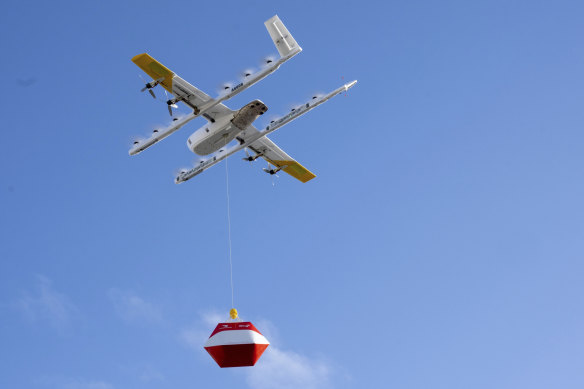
439, 246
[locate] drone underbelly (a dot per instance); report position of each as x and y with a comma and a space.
215, 140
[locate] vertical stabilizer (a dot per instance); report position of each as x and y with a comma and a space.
282, 38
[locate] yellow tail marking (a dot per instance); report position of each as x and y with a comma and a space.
155, 70
296, 170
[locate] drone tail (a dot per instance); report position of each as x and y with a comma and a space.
282, 38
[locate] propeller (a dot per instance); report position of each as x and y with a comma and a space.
271, 119
249, 157
179, 171
171, 103
246, 73
225, 87
268, 60
316, 95
136, 141
294, 107
272, 171
149, 85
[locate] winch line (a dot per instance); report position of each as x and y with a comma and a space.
229, 230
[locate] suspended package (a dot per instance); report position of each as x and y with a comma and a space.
236, 344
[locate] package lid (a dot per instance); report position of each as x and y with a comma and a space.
235, 333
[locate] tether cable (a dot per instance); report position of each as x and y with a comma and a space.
229, 228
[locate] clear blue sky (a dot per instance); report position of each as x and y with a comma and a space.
440, 245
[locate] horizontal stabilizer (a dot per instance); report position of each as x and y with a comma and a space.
282, 38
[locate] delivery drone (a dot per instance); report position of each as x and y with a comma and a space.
214, 139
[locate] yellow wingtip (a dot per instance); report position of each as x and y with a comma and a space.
137, 58
296, 170
154, 69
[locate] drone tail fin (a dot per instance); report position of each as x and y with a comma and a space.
282, 38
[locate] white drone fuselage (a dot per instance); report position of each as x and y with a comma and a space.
213, 136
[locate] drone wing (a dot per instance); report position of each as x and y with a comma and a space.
269, 151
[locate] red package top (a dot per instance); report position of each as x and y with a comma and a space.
242, 325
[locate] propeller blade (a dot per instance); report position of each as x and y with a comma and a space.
151, 93
246, 73
249, 158
225, 87
294, 106
170, 103
268, 60
144, 82
179, 171
137, 140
